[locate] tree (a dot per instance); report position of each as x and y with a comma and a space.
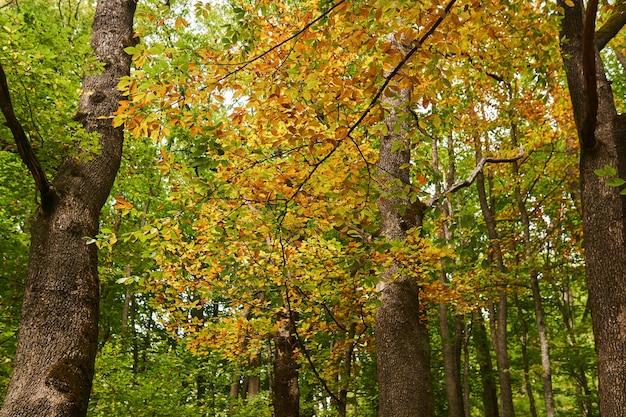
602, 137
58, 334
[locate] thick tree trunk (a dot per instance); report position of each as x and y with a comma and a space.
402, 340
602, 134
59, 328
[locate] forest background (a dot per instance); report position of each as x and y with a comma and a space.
306, 185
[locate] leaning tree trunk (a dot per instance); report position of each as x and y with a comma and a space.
58, 332
602, 135
402, 341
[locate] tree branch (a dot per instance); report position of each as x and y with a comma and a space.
612, 26
417, 45
244, 64
21, 140
479, 167
587, 131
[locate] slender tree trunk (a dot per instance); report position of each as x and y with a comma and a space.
451, 341
346, 372
524, 345
58, 333
483, 357
452, 344
466, 372
498, 315
497, 324
546, 374
602, 135
127, 302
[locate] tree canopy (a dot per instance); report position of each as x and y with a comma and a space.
292, 169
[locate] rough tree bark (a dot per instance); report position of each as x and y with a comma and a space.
59, 327
602, 136
402, 340
286, 389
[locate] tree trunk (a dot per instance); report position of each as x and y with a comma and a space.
58, 333
346, 372
286, 389
524, 345
483, 357
546, 367
452, 344
402, 340
497, 316
497, 322
602, 135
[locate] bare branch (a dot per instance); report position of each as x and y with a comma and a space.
21, 140
479, 167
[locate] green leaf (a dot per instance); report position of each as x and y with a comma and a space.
131, 50
615, 182
607, 171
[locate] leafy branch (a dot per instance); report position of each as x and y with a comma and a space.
374, 101
244, 64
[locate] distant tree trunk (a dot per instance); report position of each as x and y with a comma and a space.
579, 372
451, 341
524, 345
602, 137
286, 389
497, 323
58, 333
402, 340
497, 310
452, 361
346, 372
487, 378
546, 374
254, 381
466, 371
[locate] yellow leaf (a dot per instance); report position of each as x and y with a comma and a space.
122, 204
